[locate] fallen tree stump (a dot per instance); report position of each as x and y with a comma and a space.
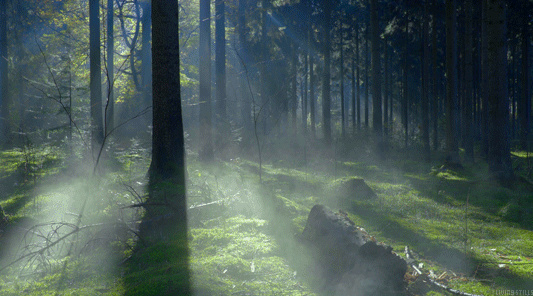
353, 262
357, 188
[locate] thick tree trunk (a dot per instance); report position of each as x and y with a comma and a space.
167, 170
452, 102
499, 157
205, 136
349, 258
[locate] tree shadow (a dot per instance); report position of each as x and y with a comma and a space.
450, 258
510, 204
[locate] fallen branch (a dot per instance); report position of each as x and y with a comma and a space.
412, 263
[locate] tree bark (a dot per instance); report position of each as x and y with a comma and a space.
4, 91
367, 66
425, 86
349, 257
326, 86
312, 102
110, 108
452, 102
97, 128
341, 73
386, 92
435, 96
294, 87
499, 157
405, 98
468, 98
376, 74
353, 95
205, 136
167, 169
484, 81
305, 85
524, 112
357, 80
246, 105
146, 56
220, 73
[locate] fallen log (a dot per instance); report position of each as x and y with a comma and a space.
351, 260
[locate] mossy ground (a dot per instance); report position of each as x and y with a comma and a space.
460, 225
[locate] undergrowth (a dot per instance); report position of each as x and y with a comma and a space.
473, 234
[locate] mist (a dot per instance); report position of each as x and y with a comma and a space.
265, 147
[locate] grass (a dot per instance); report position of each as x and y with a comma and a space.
248, 245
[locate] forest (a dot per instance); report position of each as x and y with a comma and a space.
266, 147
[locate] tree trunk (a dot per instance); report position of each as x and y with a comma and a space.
367, 66
294, 86
499, 157
205, 136
405, 99
435, 97
468, 98
484, 81
357, 80
110, 106
350, 258
524, 112
146, 56
353, 94
97, 129
326, 86
426, 152
305, 86
220, 73
452, 102
387, 88
167, 169
4, 92
265, 104
246, 106
312, 94
341, 73
376, 74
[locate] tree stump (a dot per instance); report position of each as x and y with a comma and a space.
353, 262
356, 188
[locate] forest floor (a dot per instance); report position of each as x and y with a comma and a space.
464, 230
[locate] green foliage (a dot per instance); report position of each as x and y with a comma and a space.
247, 248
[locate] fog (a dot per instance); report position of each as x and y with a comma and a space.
408, 122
